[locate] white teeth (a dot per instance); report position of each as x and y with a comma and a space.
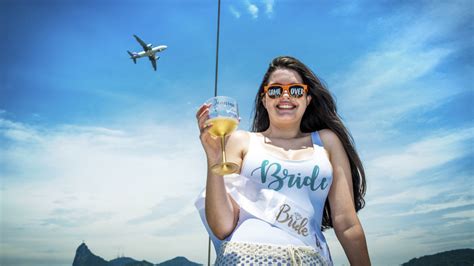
284, 106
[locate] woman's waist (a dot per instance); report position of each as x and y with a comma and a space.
253, 230
263, 253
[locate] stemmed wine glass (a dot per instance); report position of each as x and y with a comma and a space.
224, 117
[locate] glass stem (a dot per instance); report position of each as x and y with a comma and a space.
223, 149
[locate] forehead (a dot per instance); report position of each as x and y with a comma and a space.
285, 76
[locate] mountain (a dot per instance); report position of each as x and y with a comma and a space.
178, 261
125, 261
458, 257
84, 257
121, 261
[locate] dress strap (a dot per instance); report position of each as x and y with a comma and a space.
317, 139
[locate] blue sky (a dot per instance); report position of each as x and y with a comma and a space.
98, 149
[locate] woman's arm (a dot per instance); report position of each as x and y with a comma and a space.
221, 210
346, 224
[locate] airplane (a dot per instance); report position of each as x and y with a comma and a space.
148, 50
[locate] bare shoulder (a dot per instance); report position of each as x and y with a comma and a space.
240, 136
331, 141
239, 141
328, 137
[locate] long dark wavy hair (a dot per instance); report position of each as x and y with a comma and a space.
321, 113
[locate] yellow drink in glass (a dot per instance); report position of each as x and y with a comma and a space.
222, 126
224, 118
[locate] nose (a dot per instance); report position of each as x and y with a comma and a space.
286, 92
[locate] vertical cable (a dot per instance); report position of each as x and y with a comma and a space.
209, 252
217, 45
215, 94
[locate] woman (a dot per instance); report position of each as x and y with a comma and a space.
299, 174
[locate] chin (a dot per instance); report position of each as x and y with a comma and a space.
287, 118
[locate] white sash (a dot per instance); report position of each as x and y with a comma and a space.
272, 207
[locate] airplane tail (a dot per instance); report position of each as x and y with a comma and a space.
132, 57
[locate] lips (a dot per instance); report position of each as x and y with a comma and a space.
285, 106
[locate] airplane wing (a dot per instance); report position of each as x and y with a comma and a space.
153, 61
142, 43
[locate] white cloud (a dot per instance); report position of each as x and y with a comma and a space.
433, 151
458, 218
234, 11
269, 7
75, 183
388, 69
398, 75
407, 195
252, 9
17, 131
461, 214
431, 207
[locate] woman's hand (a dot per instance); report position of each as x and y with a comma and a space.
211, 144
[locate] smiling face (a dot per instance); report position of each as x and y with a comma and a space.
285, 109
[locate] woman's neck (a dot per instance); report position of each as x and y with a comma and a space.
275, 131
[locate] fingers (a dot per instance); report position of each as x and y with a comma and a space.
202, 115
205, 128
201, 109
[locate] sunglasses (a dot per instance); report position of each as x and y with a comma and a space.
276, 90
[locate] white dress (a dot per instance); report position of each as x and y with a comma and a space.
281, 202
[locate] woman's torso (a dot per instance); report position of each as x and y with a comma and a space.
305, 180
